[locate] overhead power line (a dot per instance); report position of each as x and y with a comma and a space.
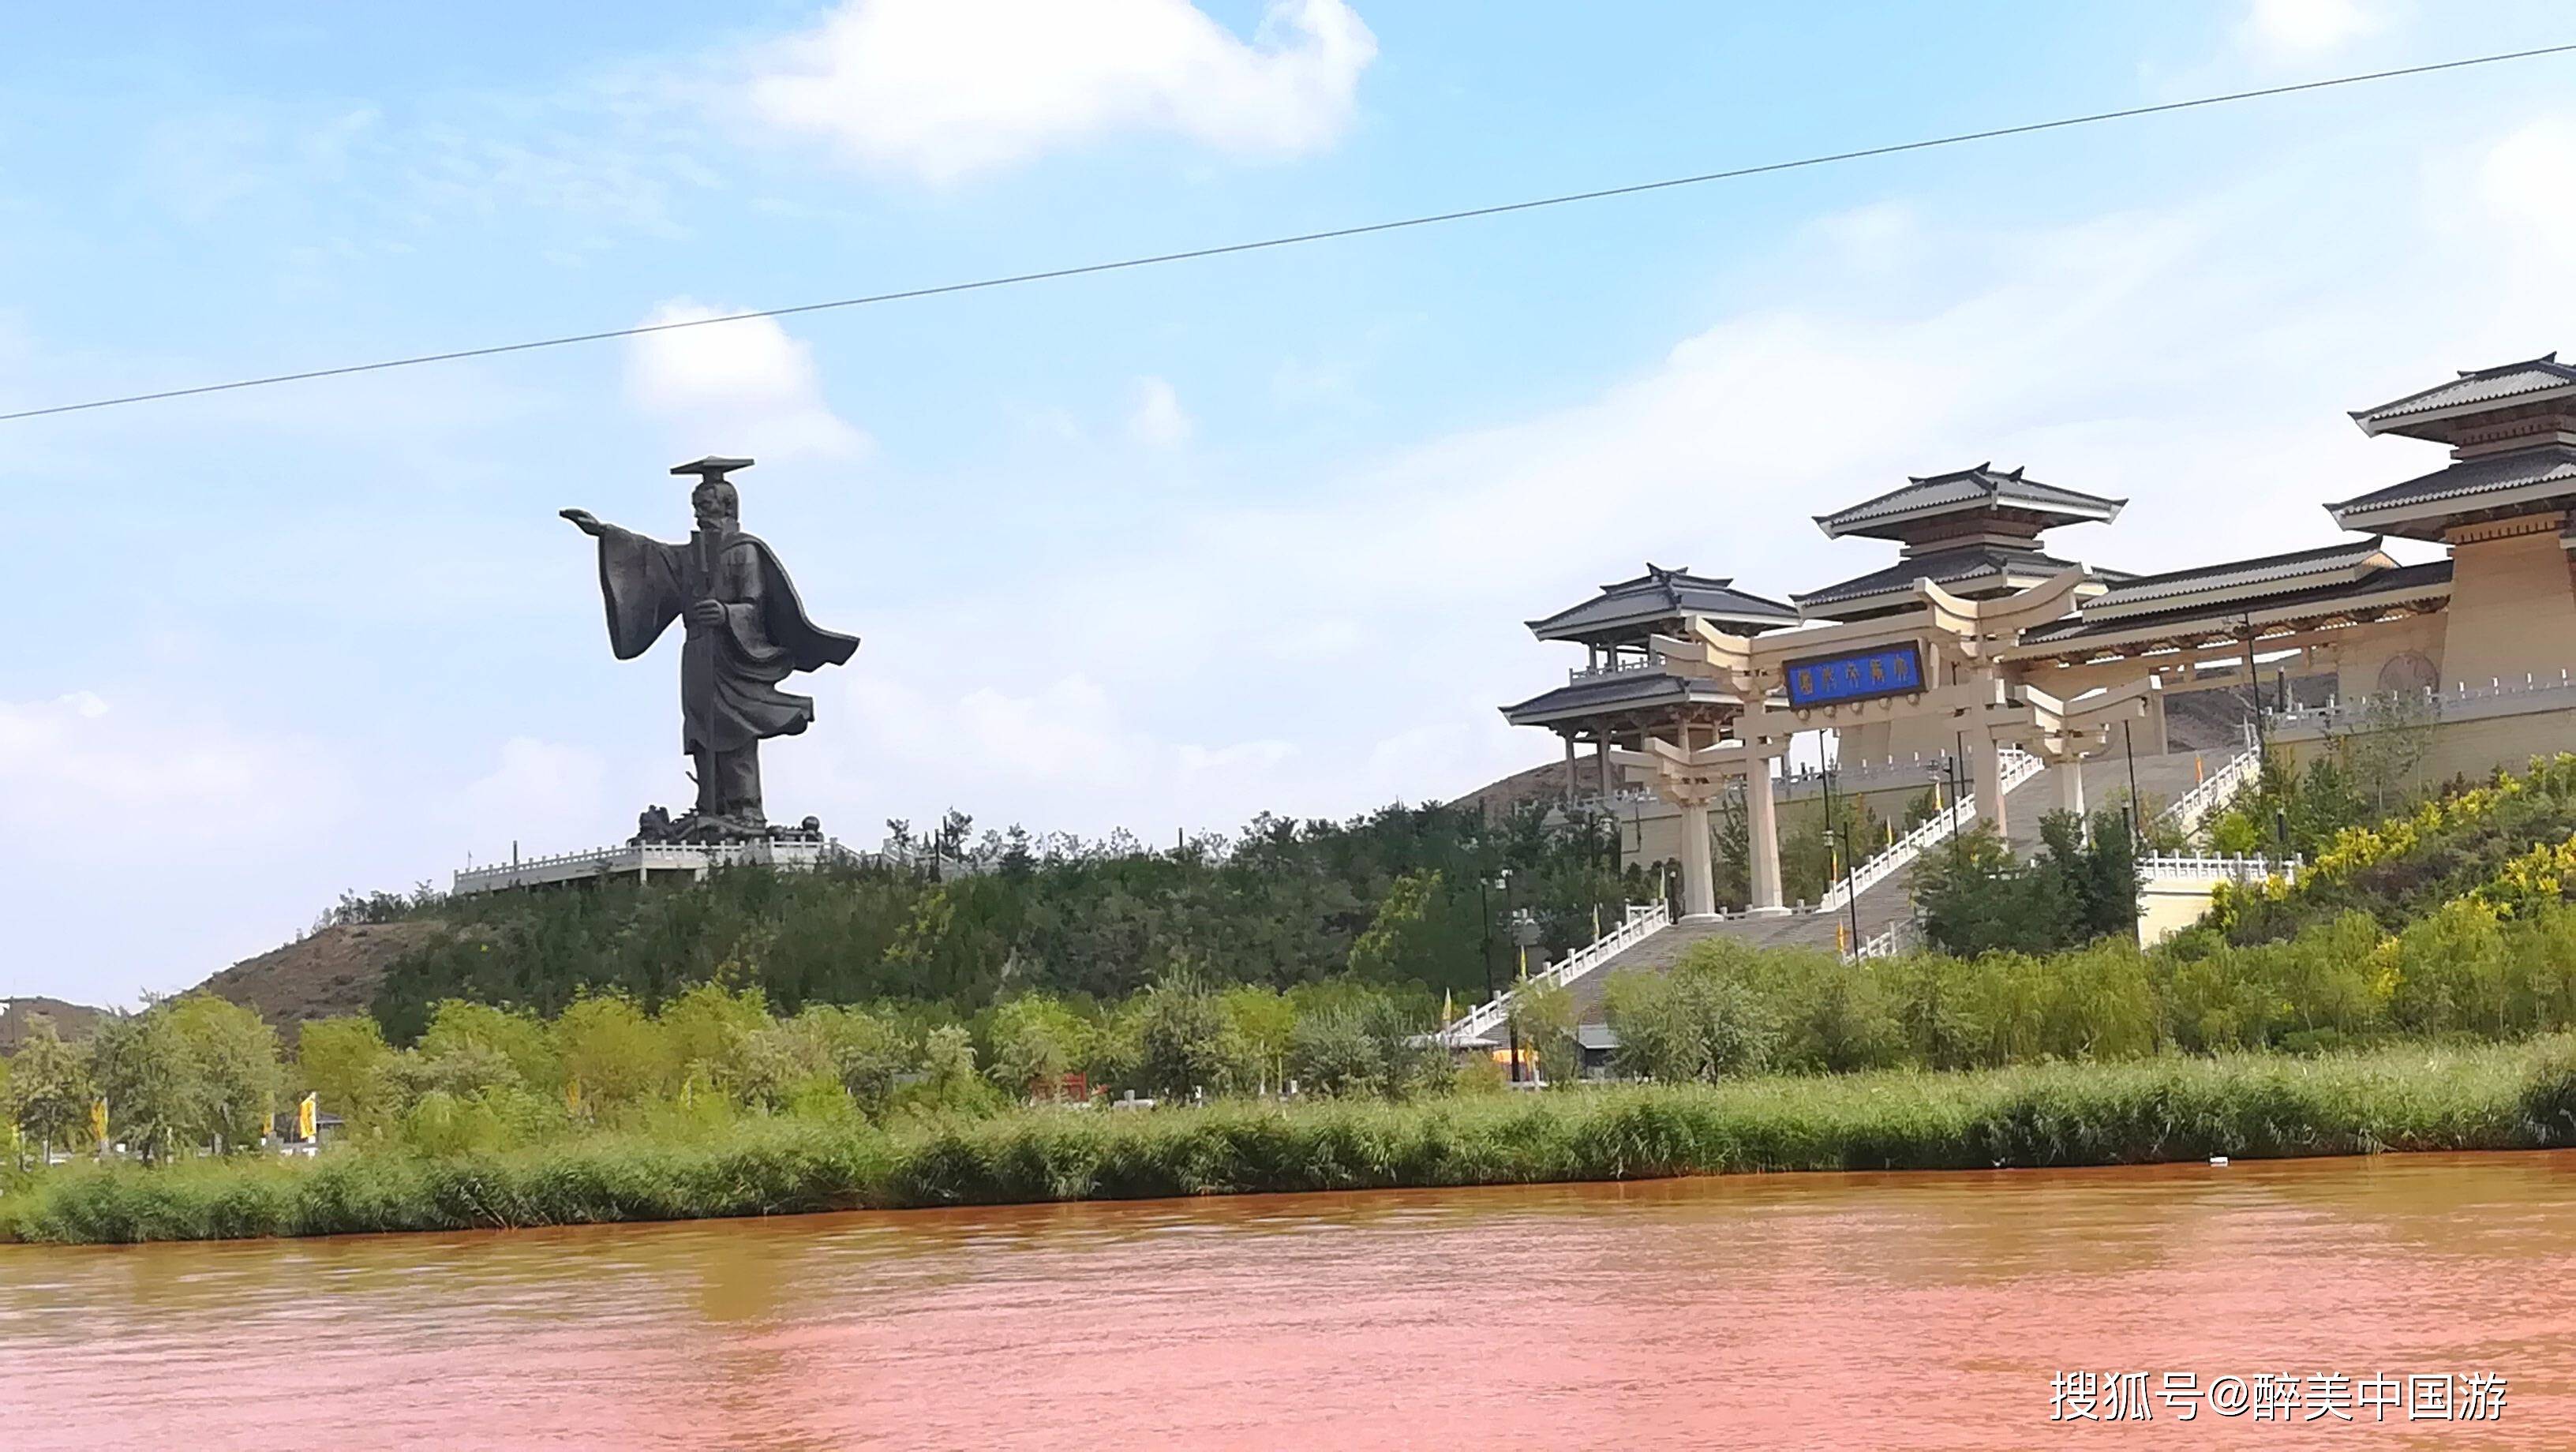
1266, 243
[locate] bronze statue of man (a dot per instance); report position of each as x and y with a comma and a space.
745, 632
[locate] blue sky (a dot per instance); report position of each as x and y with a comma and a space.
1153, 550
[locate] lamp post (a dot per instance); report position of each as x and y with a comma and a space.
1485, 915
1840, 836
1512, 1029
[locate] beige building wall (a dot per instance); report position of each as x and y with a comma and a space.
2472, 749
2167, 905
2513, 607
2360, 655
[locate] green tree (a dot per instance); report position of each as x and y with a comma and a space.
2386, 745
1184, 1042
516, 1034
1542, 1016
866, 1052
346, 1064
1263, 1021
232, 1065
1972, 897
1359, 1042
704, 1031
1037, 1039
1697, 1022
141, 1065
611, 1050
1409, 938
49, 1087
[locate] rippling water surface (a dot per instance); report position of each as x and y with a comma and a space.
1920, 1310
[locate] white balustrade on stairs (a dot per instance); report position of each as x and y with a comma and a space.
1643, 923
2018, 767
2215, 791
1882, 946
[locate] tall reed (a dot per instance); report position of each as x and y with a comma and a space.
2147, 1110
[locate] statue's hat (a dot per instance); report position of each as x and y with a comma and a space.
711, 467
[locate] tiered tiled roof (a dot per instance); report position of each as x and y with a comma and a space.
2475, 391
1662, 598
2292, 602
1983, 489
1971, 570
2209, 585
2421, 508
1614, 692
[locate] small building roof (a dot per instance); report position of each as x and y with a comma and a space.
1971, 570
1609, 693
2235, 580
2429, 414
1985, 489
1631, 609
2423, 507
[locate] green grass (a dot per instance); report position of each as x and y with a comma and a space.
2173, 1108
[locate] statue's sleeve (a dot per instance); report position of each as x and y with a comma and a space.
640, 580
747, 617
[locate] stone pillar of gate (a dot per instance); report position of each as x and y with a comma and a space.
1990, 785
1762, 840
1699, 874
2069, 772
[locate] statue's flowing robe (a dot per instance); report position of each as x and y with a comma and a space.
729, 673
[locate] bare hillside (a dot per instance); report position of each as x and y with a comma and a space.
333, 972
71, 1020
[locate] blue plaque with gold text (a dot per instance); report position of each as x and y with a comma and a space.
1861, 675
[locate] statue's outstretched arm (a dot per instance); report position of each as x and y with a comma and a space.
585, 521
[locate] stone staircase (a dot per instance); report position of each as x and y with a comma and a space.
1888, 903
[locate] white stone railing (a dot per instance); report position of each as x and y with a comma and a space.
635, 857
1643, 923
1576, 675
2215, 791
2219, 869
2497, 690
1882, 946
2018, 767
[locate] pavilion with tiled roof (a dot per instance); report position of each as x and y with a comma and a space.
1974, 532
1618, 696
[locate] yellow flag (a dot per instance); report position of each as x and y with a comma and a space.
98, 1120
572, 1096
1448, 1009
307, 1113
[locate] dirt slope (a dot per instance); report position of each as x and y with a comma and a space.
333, 972
71, 1020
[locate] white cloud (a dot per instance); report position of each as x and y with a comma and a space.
735, 388
1157, 420
2528, 180
2307, 27
942, 89
541, 792
93, 782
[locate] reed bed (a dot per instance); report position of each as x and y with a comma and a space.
2142, 1111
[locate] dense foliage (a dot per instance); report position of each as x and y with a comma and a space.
1424, 897
2464, 971
1971, 895
2470, 840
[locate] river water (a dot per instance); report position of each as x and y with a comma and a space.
1914, 1310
